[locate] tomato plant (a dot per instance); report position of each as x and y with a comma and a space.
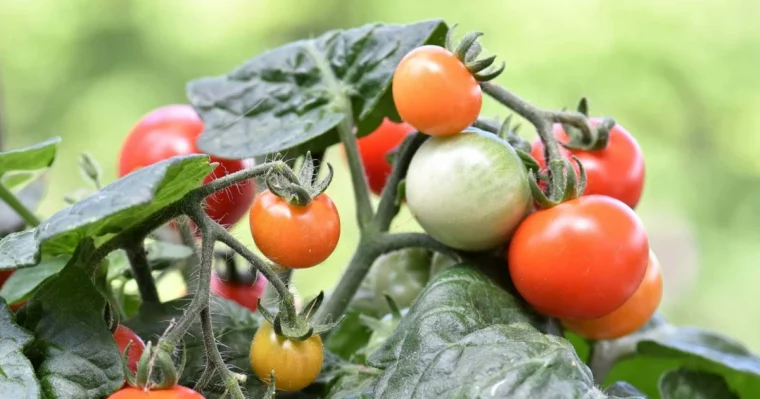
246, 295
468, 191
581, 259
434, 92
124, 336
170, 131
176, 392
295, 364
292, 235
617, 171
374, 149
4, 275
634, 313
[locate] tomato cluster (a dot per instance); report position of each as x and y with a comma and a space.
585, 261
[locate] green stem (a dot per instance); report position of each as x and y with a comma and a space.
369, 249
190, 265
230, 381
237, 177
10, 199
364, 210
138, 260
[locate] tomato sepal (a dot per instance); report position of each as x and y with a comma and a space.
155, 361
467, 50
599, 136
298, 190
566, 185
302, 328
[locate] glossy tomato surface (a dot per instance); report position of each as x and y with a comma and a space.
374, 149
173, 130
123, 336
246, 295
617, 171
634, 313
434, 92
294, 236
468, 191
176, 392
581, 259
296, 364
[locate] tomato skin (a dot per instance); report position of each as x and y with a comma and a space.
173, 130
374, 148
294, 236
244, 295
434, 92
468, 191
123, 336
581, 259
617, 171
631, 316
296, 364
175, 392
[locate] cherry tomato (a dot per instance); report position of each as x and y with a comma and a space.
616, 171
4, 276
374, 149
434, 92
631, 316
175, 392
468, 191
173, 130
296, 364
581, 259
124, 336
245, 295
294, 236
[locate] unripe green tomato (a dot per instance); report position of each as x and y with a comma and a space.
401, 274
468, 191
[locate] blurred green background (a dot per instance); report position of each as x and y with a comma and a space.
680, 75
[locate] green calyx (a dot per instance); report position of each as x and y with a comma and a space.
303, 326
155, 369
467, 50
301, 189
566, 185
508, 132
593, 139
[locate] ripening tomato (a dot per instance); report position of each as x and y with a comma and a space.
581, 259
468, 191
296, 364
434, 92
294, 236
246, 295
616, 171
171, 131
124, 336
631, 316
374, 149
175, 392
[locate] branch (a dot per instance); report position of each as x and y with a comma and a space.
230, 379
238, 177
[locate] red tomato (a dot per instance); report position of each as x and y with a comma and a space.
631, 316
124, 336
245, 295
374, 149
434, 92
294, 236
4, 276
616, 171
173, 130
175, 392
581, 259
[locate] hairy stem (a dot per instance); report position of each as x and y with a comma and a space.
369, 249
364, 210
237, 177
138, 260
191, 264
230, 381
9, 198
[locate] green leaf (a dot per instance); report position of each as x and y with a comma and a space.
290, 98
233, 325
118, 206
34, 157
690, 384
17, 378
623, 390
642, 356
73, 352
30, 196
354, 382
24, 282
350, 336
